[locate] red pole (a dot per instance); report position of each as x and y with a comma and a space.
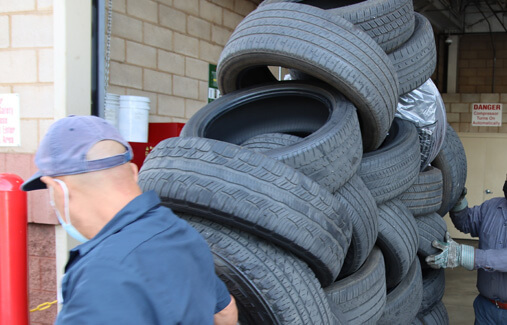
13, 252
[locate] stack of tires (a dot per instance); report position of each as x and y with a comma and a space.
310, 192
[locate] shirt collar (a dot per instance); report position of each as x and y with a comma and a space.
134, 210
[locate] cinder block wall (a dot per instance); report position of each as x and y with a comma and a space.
459, 111
26, 68
162, 50
26, 56
475, 63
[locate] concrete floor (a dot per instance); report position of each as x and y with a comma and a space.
460, 292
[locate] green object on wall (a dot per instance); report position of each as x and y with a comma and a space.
213, 92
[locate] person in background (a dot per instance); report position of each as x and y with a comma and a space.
138, 262
487, 221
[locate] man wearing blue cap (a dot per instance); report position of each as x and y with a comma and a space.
138, 262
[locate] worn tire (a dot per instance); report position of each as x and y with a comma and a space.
360, 205
398, 239
416, 59
247, 190
331, 149
452, 162
269, 141
361, 297
319, 44
389, 22
425, 195
436, 316
430, 227
433, 289
393, 168
403, 301
270, 285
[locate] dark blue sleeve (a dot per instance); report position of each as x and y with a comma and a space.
468, 220
491, 260
105, 293
223, 296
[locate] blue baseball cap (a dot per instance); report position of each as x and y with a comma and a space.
63, 149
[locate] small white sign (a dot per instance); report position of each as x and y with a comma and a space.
9, 120
486, 114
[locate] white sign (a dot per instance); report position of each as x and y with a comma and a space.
486, 114
9, 120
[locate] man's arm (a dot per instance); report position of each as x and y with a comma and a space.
228, 315
465, 219
491, 260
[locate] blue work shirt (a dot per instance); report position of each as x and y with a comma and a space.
488, 221
146, 266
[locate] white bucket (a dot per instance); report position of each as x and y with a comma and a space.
133, 118
111, 108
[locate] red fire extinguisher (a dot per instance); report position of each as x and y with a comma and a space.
13, 252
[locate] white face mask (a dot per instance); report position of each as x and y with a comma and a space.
66, 224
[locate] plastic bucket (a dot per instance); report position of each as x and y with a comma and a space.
133, 118
111, 108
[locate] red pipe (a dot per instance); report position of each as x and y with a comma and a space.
13, 252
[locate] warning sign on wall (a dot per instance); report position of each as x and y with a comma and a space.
486, 114
9, 120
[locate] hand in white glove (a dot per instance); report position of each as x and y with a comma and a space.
453, 254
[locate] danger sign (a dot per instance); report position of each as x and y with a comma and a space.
486, 114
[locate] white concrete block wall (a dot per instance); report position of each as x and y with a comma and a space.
162, 49
458, 107
26, 56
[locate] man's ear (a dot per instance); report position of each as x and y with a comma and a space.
135, 171
49, 181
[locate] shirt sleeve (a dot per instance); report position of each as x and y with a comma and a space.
468, 220
491, 260
223, 296
106, 294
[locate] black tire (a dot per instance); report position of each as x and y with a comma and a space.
437, 316
393, 168
430, 227
322, 45
269, 141
433, 289
425, 195
331, 149
363, 213
415, 60
389, 22
247, 190
398, 239
403, 302
270, 285
361, 297
452, 161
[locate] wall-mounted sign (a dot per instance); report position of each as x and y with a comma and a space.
9, 120
486, 114
213, 92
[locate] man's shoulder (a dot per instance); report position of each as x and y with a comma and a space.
496, 202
